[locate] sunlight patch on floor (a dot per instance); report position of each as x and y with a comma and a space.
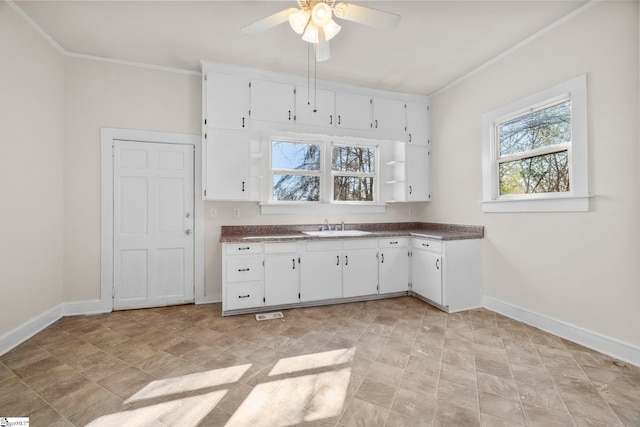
190, 382
186, 411
313, 361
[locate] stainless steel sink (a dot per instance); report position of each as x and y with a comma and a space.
337, 233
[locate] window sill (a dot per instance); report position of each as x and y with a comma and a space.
542, 204
320, 208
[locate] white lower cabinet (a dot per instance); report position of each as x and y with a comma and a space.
242, 277
426, 270
394, 264
281, 274
321, 271
360, 268
447, 272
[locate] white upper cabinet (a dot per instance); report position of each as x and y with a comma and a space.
227, 101
353, 111
389, 115
417, 123
227, 165
272, 102
315, 107
417, 164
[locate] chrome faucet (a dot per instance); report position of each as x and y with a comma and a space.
341, 226
326, 225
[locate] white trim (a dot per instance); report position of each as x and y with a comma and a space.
615, 348
517, 46
321, 208
28, 329
71, 54
210, 299
577, 199
79, 308
107, 137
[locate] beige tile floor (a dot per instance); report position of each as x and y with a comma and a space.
395, 362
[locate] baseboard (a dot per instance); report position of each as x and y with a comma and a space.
77, 308
609, 346
209, 299
14, 338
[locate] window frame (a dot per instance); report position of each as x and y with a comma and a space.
375, 175
319, 173
577, 198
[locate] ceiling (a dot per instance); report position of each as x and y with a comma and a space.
435, 43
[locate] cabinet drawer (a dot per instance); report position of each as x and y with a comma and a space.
359, 244
393, 242
280, 248
244, 248
427, 244
244, 295
334, 245
244, 269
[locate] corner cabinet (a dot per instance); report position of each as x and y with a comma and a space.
447, 273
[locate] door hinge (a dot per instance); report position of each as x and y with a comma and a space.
299, 295
378, 288
298, 260
294, 91
263, 263
264, 299
371, 101
205, 122
205, 193
409, 253
113, 292
205, 77
249, 84
205, 135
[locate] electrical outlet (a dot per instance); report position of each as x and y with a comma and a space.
213, 212
236, 212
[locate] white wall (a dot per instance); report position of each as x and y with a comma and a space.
31, 173
101, 94
579, 268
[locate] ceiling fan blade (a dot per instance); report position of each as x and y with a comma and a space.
268, 22
365, 15
322, 48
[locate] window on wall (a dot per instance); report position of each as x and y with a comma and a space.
296, 171
535, 152
298, 175
353, 170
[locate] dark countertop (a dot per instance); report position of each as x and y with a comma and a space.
282, 233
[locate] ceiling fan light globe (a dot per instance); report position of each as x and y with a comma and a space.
311, 34
331, 29
321, 14
298, 20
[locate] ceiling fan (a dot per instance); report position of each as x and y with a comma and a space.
314, 21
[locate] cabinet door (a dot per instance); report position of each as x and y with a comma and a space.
272, 102
389, 115
226, 168
394, 270
417, 123
417, 164
281, 279
316, 108
360, 273
426, 273
227, 101
320, 276
353, 111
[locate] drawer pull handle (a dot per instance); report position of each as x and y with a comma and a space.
382, 260
244, 249
337, 259
243, 269
294, 263
244, 296
437, 266
393, 243
346, 260
425, 244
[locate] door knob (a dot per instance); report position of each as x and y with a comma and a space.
188, 232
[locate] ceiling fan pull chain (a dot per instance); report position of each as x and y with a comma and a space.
308, 77
315, 80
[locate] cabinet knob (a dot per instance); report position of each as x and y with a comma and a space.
188, 232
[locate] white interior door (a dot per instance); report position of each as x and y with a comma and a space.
153, 224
